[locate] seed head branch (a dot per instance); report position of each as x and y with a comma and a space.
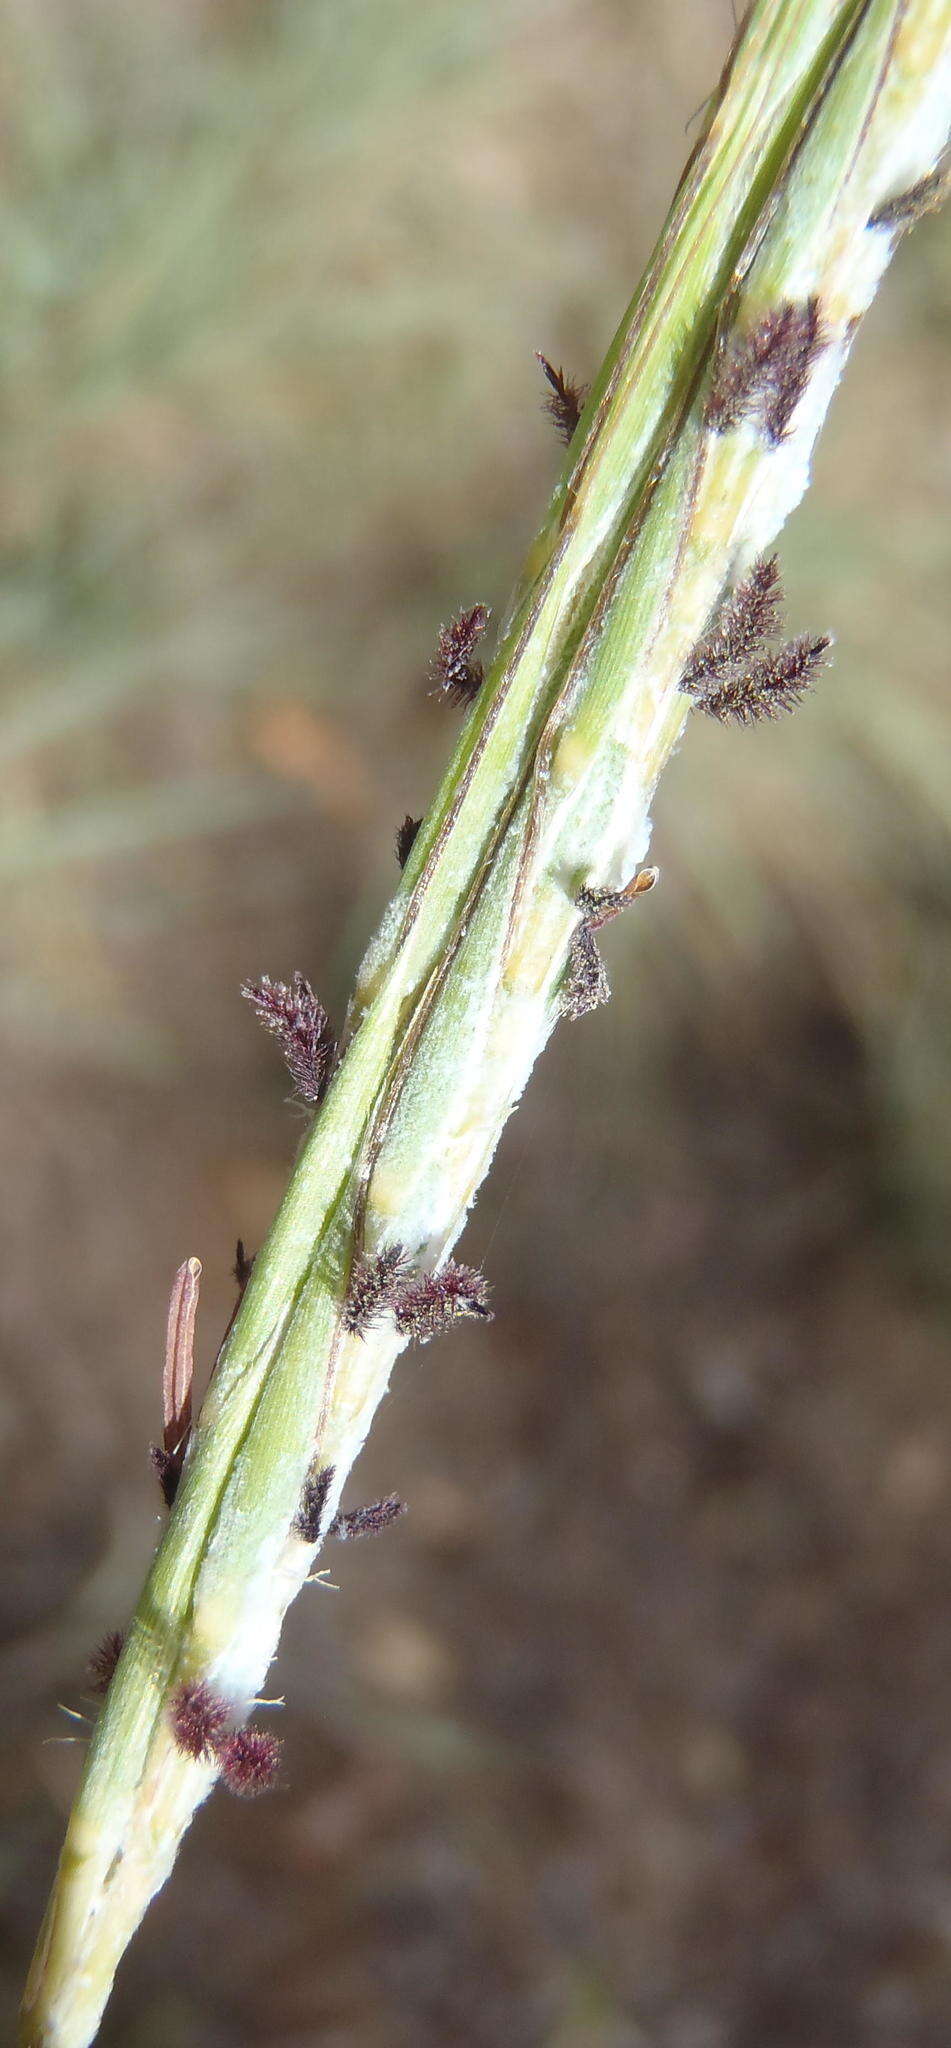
651, 587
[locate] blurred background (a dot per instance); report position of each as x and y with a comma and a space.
636, 1733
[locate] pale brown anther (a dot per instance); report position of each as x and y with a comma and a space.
168, 1456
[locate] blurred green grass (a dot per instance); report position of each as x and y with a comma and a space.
274, 275
269, 411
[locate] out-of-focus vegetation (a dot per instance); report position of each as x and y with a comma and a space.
636, 1732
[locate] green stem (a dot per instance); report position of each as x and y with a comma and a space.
829, 109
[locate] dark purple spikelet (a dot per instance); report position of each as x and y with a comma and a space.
167, 1466
302, 1028
565, 401
368, 1521
586, 985
908, 207
429, 1302
772, 683
406, 838
313, 1501
199, 1719
243, 1265
103, 1661
747, 617
375, 1282
453, 672
764, 374
733, 674
250, 1761
795, 342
